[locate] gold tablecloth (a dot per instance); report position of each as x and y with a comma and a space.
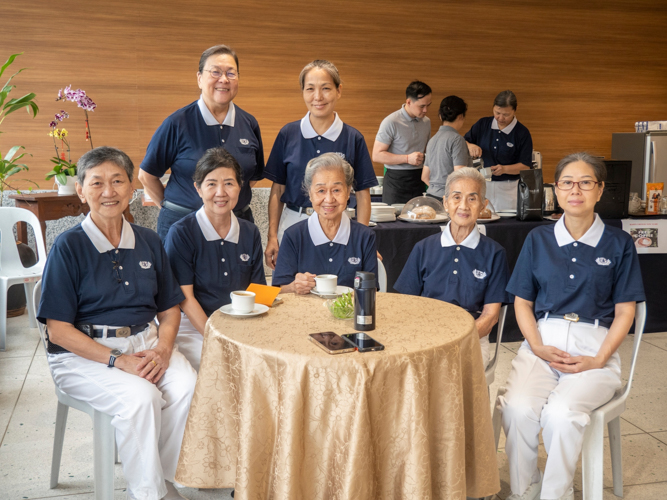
276, 417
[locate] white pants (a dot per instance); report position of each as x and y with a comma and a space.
190, 342
486, 350
288, 219
502, 194
560, 403
149, 418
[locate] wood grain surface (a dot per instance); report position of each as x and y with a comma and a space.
580, 70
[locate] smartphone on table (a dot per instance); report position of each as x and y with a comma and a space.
331, 342
363, 342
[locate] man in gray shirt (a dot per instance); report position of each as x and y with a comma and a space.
400, 144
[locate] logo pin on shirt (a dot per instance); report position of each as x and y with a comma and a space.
245, 257
601, 261
479, 274
145, 264
245, 142
354, 260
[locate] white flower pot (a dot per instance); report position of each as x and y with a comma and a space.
68, 187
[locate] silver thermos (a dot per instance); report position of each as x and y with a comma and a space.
364, 301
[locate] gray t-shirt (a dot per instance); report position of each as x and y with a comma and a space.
404, 135
446, 149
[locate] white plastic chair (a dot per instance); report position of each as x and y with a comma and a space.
609, 413
382, 276
104, 441
592, 460
12, 271
490, 371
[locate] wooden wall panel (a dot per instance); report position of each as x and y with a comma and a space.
581, 70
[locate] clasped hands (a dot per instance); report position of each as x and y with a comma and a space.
149, 364
564, 362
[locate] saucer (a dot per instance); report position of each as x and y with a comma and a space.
340, 290
259, 309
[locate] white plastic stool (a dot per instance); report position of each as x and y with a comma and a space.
382, 276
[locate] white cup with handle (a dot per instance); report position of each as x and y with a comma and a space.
243, 301
326, 283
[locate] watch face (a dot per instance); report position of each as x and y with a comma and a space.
116, 352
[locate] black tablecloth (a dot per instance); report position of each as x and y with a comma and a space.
395, 241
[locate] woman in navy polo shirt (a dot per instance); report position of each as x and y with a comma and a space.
461, 266
328, 242
320, 131
211, 251
506, 147
104, 283
212, 121
576, 285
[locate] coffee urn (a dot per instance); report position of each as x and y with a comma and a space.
364, 301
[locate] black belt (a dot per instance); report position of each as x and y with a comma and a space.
301, 210
121, 332
575, 318
176, 208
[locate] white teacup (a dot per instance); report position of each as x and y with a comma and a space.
243, 301
326, 283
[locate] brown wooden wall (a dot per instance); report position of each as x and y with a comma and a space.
580, 70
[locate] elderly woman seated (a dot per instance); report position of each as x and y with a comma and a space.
461, 266
104, 283
328, 242
212, 252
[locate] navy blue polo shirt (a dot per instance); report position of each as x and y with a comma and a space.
588, 276
80, 284
184, 137
469, 274
306, 249
511, 145
214, 267
298, 143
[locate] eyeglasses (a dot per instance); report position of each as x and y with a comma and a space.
217, 74
583, 185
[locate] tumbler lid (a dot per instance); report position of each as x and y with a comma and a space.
364, 280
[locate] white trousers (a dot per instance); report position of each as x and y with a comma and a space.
190, 342
288, 219
560, 403
149, 418
486, 350
502, 194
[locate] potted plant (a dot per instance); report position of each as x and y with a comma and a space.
9, 166
64, 170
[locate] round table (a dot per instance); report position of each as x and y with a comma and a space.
276, 417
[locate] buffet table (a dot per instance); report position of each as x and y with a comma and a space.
395, 241
276, 417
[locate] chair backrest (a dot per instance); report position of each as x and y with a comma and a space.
382, 276
10, 261
640, 321
37, 296
491, 368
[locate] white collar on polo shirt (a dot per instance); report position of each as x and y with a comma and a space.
308, 132
591, 238
102, 244
507, 129
317, 233
209, 231
471, 241
211, 120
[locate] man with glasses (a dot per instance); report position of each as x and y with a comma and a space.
400, 144
184, 137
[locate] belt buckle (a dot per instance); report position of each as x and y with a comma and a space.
123, 332
574, 317
309, 211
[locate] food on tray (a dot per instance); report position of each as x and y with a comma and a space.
423, 212
485, 214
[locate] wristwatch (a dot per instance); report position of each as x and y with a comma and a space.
115, 354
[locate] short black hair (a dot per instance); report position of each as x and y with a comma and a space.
213, 159
597, 164
416, 90
451, 107
505, 99
214, 51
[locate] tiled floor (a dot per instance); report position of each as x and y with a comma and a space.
28, 404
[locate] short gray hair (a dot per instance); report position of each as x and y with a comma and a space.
466, 173
327, 161
95, 157
327, 66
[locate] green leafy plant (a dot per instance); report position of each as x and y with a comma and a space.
8, 163
342, 307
